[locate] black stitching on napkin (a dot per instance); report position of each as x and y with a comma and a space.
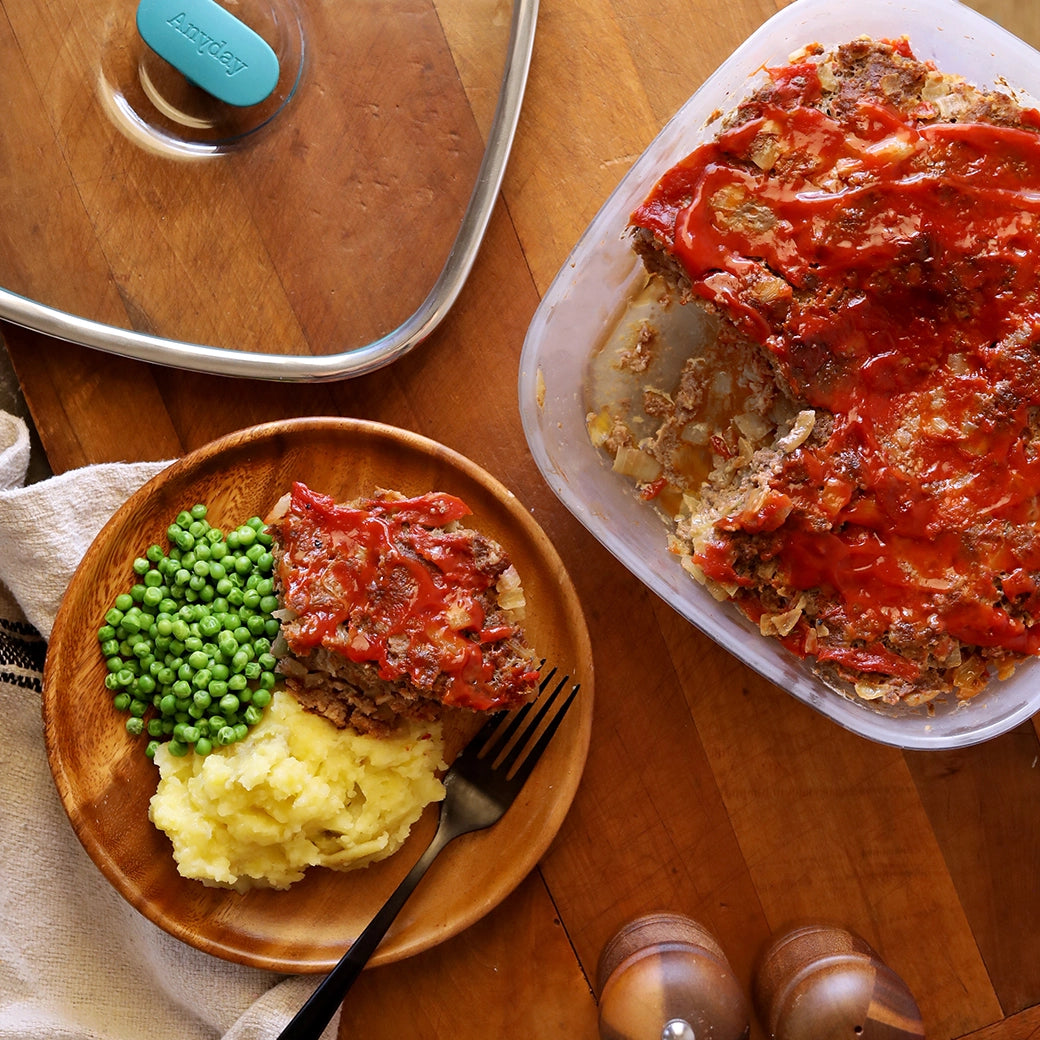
22, 651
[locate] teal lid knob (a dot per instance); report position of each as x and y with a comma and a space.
211, 47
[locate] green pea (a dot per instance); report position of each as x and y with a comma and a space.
185, 733
131, 623
193, 633
209, 626
198, 659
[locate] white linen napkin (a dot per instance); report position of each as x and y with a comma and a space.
76, 961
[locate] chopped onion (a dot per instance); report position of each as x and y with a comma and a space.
280, 508
634, 463
510, 590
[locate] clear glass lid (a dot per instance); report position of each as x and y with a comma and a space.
314, 224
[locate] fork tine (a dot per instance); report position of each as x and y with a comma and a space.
493, 747
543, 704
530, 759
483, 738
481, 741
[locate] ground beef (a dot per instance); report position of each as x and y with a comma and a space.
821, 455
394, 609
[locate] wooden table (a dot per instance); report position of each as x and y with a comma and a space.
707, 790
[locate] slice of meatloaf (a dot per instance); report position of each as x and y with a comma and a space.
392, 608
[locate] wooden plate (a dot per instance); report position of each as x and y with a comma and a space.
105, 781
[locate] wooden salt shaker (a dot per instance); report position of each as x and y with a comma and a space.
821, 982
664, 977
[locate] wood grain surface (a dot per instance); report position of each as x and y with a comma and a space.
707, 791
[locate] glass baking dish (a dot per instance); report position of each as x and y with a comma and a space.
589, 295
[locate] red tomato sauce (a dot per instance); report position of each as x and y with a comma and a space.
911, 252
383, 583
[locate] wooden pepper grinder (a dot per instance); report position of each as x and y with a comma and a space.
664, 977
821, 982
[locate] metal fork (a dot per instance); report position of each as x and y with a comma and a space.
481, 785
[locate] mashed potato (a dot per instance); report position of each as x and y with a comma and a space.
296, 793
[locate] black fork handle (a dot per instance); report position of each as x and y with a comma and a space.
317, 1012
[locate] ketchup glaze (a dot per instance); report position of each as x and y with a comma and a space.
383, 583
888, 264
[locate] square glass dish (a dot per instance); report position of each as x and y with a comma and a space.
594, 289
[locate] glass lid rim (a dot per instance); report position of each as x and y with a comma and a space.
354, 361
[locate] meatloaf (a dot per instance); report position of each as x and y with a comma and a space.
392, 608
865, 225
